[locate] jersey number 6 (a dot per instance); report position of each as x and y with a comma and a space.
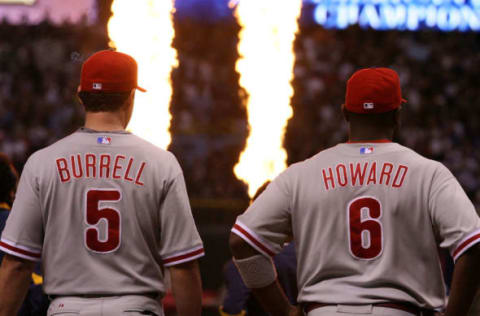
365, 229
93, 215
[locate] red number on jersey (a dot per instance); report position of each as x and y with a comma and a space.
365, 229
93, 215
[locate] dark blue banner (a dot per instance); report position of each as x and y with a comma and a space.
444, 15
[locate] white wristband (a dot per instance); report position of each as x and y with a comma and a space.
256, 271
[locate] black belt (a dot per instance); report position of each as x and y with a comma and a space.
417, 311
153, 295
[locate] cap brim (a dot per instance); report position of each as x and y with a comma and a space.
141, 89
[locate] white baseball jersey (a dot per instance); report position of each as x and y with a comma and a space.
105, 211
366, 220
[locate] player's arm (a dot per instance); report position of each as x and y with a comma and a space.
465, 283
271, 295
236, 294
187, 288
15, 276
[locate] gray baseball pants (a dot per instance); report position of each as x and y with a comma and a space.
362, 310
128, 305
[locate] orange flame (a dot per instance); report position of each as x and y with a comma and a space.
144, 30
266, 70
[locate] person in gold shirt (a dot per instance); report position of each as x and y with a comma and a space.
36, 302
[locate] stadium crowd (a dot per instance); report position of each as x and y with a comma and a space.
39, 67
39, 71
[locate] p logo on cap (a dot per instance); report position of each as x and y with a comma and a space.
373, 90
368, 106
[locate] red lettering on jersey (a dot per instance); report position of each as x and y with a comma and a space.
105, 165
342, 180
330, 178
63, 170
94, 212
358, 173
398, 182
358, 225
130, 162
386, 173
74, 169
90, 164
372, 177
139, 174
117, 166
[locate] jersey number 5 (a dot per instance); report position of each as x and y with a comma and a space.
94, 214
364, 227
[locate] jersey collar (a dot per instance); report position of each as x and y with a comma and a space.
369, 141
92, 131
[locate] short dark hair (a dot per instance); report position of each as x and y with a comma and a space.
9, 177
102, 101
386, 119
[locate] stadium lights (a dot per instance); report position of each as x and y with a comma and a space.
25, 2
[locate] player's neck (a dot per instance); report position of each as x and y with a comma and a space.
356, 135
105, 121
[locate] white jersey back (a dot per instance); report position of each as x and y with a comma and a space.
366, 220
106, 212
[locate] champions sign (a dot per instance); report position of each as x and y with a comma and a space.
444, 15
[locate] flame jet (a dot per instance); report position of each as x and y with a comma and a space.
265, 66
144, 29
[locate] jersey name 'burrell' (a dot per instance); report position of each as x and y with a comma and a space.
91, 165
355, 174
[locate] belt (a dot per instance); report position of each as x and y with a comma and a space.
153, 295
417, 311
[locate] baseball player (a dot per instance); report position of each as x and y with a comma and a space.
7, 189
239, 300
366, 218
105, 210
35, 302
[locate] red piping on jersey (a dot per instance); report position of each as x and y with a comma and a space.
369, 141
465, 244
252, 239
181, 257
20, 251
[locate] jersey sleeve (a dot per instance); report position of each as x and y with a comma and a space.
179, 238
23, 233
266, 224
454, 217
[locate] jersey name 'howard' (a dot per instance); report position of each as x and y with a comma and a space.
91, 165
367, 173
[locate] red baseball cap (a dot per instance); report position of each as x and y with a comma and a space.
109, 71
373, 90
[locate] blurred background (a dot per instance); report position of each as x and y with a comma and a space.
434, 46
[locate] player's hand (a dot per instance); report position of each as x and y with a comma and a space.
295, 311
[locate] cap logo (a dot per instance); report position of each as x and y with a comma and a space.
97, 86
368, 105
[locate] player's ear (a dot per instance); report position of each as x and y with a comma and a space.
78, 95
345, 113
132, 96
